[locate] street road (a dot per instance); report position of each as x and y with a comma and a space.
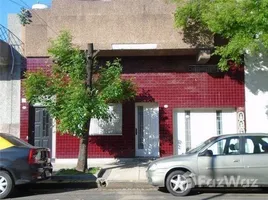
136, 194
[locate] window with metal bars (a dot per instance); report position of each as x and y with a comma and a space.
187, 130
111, 126
219, 122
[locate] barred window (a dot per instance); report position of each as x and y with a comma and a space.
111, 126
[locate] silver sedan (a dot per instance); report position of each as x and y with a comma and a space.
222, 161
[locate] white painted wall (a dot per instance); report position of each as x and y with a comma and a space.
10, 91
10, 100
10, 84
256, 93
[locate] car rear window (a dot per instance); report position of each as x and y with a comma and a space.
15, 141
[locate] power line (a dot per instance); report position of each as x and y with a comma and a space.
16, 3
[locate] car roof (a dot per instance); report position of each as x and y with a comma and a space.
14, 140
243, 134
7, 135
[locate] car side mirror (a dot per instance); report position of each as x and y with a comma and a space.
207, 152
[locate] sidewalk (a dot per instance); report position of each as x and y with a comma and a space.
127, 174
124, 173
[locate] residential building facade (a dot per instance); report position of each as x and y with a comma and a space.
182, 97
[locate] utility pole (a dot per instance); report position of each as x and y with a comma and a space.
82, 164
90, 57
89, 66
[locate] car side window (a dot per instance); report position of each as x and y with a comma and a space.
249, 146
256, 144
264, 144
233, 147
218, 147
226, 146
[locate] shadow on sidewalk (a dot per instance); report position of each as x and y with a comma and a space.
124, 164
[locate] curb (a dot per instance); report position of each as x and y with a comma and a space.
128, 185
69, 179
64, 185
83, 178
98, 180
87, 184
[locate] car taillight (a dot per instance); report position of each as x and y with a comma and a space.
32, 156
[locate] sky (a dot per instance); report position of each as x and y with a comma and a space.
14, 6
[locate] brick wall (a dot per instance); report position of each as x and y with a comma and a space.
165, 80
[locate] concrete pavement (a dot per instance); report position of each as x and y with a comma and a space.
130, 170
123, 173
130, 174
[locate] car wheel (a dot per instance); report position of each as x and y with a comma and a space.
179, 183
6, 184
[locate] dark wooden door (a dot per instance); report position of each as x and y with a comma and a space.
42, 128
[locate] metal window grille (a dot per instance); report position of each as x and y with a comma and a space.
140, 127
219, 122
219, 129
187, 130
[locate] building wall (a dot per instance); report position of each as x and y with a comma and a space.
256, 93
14, 26
10, 82
32, 64
165, 80
105, 23
10, 91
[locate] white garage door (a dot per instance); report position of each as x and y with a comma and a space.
193, 127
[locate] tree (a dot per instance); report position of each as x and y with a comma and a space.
243, 23
64, 91
25, 16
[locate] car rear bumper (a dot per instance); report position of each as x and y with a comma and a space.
156, 178
36, 173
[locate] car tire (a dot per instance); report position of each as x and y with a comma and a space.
6, 184
179, 183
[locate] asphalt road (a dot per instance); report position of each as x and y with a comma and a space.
135, 194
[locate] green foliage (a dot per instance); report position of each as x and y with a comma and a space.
110, 87
63, 90
242, 22
25, 16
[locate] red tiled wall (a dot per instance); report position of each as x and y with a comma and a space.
32, 64
164, 80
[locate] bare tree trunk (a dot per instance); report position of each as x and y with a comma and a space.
83, 151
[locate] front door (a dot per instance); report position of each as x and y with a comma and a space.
147, 129
41, 127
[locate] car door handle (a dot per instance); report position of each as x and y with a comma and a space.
236, 160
